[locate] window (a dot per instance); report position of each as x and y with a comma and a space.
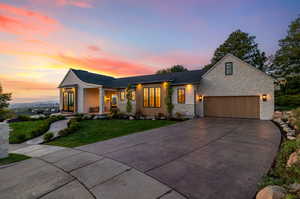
133, 95
152, 97
228, 68
181, 95
122, 95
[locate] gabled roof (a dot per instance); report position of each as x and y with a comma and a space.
93, 78
176, 78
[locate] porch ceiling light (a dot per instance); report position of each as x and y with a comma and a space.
264, 97
200, 98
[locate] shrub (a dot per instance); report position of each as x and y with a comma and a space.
21, 138
178, 115
168, 99
23, 118
288, 100
115, 113
73, 125
48, 136
139, 115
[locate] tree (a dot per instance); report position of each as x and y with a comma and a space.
173, 69
287, 58
128, 97
243, 46
4, 99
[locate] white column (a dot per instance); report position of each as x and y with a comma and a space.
80, 98
4, 131
101, 99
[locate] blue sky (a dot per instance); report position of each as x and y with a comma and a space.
43, 38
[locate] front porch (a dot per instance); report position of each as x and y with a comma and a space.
88, 100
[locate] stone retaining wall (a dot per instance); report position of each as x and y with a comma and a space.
4, 132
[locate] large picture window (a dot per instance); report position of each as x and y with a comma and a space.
152, 97
181, 95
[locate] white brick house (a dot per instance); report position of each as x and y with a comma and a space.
231, 88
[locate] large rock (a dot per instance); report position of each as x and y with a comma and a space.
271, 192
4, 133
294, 188
294, 158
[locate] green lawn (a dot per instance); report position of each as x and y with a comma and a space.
21, 129
91, 131
13, 158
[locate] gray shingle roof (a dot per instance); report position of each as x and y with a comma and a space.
177, 78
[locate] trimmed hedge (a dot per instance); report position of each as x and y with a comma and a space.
73, 125
48, 136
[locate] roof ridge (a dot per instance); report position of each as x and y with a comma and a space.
160, 74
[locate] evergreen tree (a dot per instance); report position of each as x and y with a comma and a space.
243, 46
287, 58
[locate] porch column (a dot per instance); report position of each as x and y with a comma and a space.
80, 100
101, 99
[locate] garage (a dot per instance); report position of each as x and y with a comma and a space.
232, 106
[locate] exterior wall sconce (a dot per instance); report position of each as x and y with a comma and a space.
264, 97
200, 98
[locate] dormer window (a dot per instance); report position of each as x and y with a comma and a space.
228, 68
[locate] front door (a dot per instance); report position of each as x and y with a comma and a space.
69, 101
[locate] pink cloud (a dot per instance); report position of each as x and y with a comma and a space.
77, 3
108, 65
21, 21
94, 48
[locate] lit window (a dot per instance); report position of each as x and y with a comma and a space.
152, 97
133, 95
146, 97
181, 95
228, 68
122, 96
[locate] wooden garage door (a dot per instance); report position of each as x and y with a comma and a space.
232, 106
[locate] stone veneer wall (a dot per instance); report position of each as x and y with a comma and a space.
4, 132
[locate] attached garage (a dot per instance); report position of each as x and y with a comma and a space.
232, 106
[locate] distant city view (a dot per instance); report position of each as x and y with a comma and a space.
33, 108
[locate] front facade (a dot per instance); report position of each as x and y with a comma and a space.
231, 88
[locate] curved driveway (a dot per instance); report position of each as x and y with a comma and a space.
201, 159
197, 159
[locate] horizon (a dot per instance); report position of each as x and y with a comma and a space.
41, 40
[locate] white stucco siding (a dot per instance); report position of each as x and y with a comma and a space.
71, 79
245, 81
188, 108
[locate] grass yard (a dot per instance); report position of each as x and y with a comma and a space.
91, 131
13, 158
23, 130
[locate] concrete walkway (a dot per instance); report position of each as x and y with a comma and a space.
74, 174
196, 159
54, 128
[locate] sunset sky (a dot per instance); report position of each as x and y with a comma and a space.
41, 39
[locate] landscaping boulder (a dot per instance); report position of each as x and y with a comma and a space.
294, 158
290, 137
4, 133
131, 117
271, 192
294, 188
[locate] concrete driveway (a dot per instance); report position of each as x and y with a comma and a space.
205, 158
